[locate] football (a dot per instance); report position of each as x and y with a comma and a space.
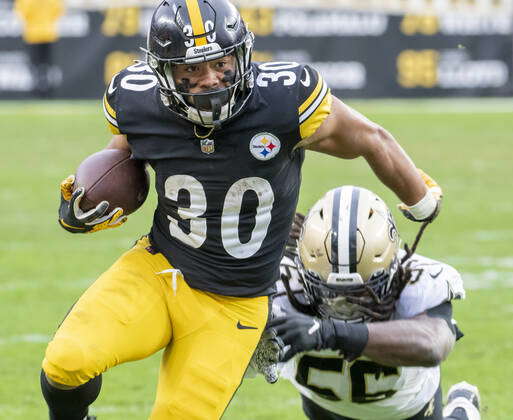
112, 175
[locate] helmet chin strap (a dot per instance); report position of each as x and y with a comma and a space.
214, 103
218, 111
216, 106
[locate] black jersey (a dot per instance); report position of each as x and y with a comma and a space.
225, 202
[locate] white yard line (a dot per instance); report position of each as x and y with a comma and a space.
25, 338
504, 263
381, 106
15, 286
435, 106
9, 108
133, 408
489, 279
493, 235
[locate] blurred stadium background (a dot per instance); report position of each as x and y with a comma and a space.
447, 64
364, 48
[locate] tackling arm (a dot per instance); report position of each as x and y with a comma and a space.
347, 134
424, 340
420, 341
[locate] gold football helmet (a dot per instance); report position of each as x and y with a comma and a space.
348, 250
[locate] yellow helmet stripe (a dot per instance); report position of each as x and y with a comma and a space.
198, 26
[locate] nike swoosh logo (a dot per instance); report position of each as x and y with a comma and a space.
245, 327
314, 327
111, 90
306, 81
434, 276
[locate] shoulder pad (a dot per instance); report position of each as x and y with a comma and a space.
110, 105
135, 78
314, 101
311, 95
431, 284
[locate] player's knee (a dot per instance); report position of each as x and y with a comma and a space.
66, 363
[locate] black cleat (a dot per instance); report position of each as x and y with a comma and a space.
463, 397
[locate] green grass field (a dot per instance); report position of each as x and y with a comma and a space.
465, 144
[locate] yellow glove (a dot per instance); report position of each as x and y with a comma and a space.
74, 220
429, 206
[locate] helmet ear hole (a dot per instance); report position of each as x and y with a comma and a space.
371, 213
321, 214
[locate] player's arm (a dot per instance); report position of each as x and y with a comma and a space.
421, 341
347, 134
71, 217
118, 141
425, 340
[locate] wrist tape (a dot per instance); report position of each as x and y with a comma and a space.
347, 338
424, 208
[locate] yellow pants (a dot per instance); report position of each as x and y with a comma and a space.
134, 310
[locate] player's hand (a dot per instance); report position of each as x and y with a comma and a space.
294, 233
74, 220
297, 333
429, 206
266, 357
297, 225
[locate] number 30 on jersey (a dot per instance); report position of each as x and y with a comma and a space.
230, 217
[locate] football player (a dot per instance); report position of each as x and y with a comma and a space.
226, 138
364, 325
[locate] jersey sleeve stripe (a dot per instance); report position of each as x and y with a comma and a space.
107, 108
321, 93
110, 115
312, 96
113, 129
315, 116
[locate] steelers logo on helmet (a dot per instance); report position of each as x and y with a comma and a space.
264, 146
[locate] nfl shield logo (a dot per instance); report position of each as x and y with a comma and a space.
207, 146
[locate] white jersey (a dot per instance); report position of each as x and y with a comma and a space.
363, 389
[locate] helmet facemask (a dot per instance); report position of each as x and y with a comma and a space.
209, 108
349, 298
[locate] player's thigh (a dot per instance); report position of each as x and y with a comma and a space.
433, 408
315, 412
204, 366
123, 316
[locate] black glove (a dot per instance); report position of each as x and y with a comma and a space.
74, 220
305, 333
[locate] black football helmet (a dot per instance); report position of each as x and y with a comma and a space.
196, 31
348, 256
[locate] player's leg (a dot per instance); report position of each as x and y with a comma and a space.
123, 316
463, 402
214, 338
316, 412
433, 408
431, 411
